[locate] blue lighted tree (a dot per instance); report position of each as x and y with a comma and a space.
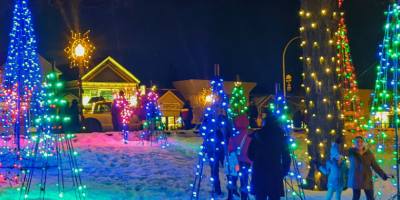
215, 129
22, 73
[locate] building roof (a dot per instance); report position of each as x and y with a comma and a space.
174, 92
109, 65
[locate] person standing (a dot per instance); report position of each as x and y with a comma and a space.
253, 114
76, 115
239, 145
336, 170
269, 152
360, 173
187, 115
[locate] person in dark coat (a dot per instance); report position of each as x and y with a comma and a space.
216, 150
75, 113
360, 173
253, 114
187, 115
269, 152
239, 145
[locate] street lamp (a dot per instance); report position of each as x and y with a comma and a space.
79, 52
284, 66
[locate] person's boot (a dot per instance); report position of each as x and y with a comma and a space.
244, 196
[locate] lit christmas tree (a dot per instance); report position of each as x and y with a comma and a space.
153, 125
386, 95
22, 72
351, 104
153, 113
125, 113
238, 101
215, 129
51, 151
322, 99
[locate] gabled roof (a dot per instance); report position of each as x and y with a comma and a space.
174, 93
109, 64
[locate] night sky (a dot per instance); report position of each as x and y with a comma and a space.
165, 40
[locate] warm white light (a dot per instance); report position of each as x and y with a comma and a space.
209, 98
79, 50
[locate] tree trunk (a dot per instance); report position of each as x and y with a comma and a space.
318, 26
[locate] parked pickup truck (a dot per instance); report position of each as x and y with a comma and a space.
99, 119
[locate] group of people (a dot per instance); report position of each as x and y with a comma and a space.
266, 153
358, 174
245, 153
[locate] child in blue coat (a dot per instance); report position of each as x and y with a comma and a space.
336, 170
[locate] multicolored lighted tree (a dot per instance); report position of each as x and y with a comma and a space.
386, 95
22, 73
238, 103
125, 113
154, 126
51, 151
153, 113
216, 130
322, 99
351, 104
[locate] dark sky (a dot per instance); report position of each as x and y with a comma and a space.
164, 40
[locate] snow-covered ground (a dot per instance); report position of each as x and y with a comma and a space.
116, 171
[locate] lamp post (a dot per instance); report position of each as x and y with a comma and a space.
79, 52
284, 66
